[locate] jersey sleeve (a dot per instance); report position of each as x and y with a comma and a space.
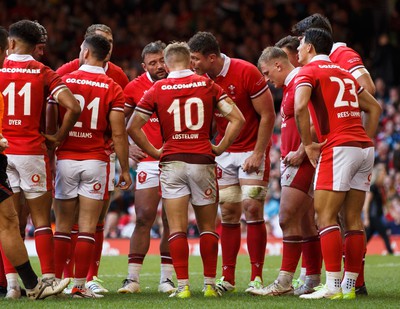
305, 77
128, 95
119, 101
68, 67
146, 103
52, 80
255, 82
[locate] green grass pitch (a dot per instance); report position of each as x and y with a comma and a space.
382, 277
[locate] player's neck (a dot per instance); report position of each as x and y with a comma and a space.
216, 68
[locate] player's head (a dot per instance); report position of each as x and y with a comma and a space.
314, 42
94, 46
104, 31
153, 60
289, 45
24, 34
3, 44
40, 46
204, 50
177, 56
313, 21
274, 64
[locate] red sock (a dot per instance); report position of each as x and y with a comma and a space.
8, 267
331, 245
256, 243
135, 258
354, 250
230, 244
98, 247
62, 248
3, 279
360, 279
291, 253
312, 256
166, 258
45, 249
178, 245
209, 253
70, 263
83, 254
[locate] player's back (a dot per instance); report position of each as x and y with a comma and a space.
25, 84
346, 57
185, 108
335, 102
97, 94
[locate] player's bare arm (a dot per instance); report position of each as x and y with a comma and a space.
366, 81
137, 121
67, 100
120, 140
236, 121
372, 111
264, 106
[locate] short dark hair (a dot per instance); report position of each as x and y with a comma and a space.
153, 48
3, 38
93, 28
204, 43
25, 30
320, 39
98, 45
313, 21
290, 42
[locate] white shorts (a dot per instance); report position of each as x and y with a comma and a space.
179, 179
31, 173
230, 168
111, 177
343, 168
88, 178
147, 175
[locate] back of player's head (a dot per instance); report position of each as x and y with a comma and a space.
177, 53
97, 27
270, 53
320, 39
43, 31
25, 30
153, 48
313, 21
290, 42
98, 45
3, 38
204, 43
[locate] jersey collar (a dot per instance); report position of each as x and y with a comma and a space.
149, 78
336, 45
20, 58
180, 73
291, 75
92, 69
225, 67
321, 57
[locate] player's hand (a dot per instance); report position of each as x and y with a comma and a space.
52, 141
252, 164
3, 143
136, 154
158, 153
124, 181
313, 152
294, 158
215, 150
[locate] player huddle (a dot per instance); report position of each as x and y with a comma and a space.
199, 126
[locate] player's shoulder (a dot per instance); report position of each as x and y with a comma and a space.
242, 64
68, 67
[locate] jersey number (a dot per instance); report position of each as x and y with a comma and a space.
93, 106
339, 102
24, 92
176, 111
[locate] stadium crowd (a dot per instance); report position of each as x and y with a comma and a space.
243, 30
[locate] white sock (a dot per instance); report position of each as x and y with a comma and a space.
333, 280
209, 280
312, 280
12, 280
79, 282
183, 282
48, 276
134, 271
167, 271
302, 276
285, 278
349, 281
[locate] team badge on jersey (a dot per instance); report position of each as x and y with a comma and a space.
232, 89
142, 176
35, 178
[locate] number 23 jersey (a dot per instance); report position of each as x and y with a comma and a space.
334, 102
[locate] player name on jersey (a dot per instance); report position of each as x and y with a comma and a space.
349, 114
80, 134
86, 82
185, 136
